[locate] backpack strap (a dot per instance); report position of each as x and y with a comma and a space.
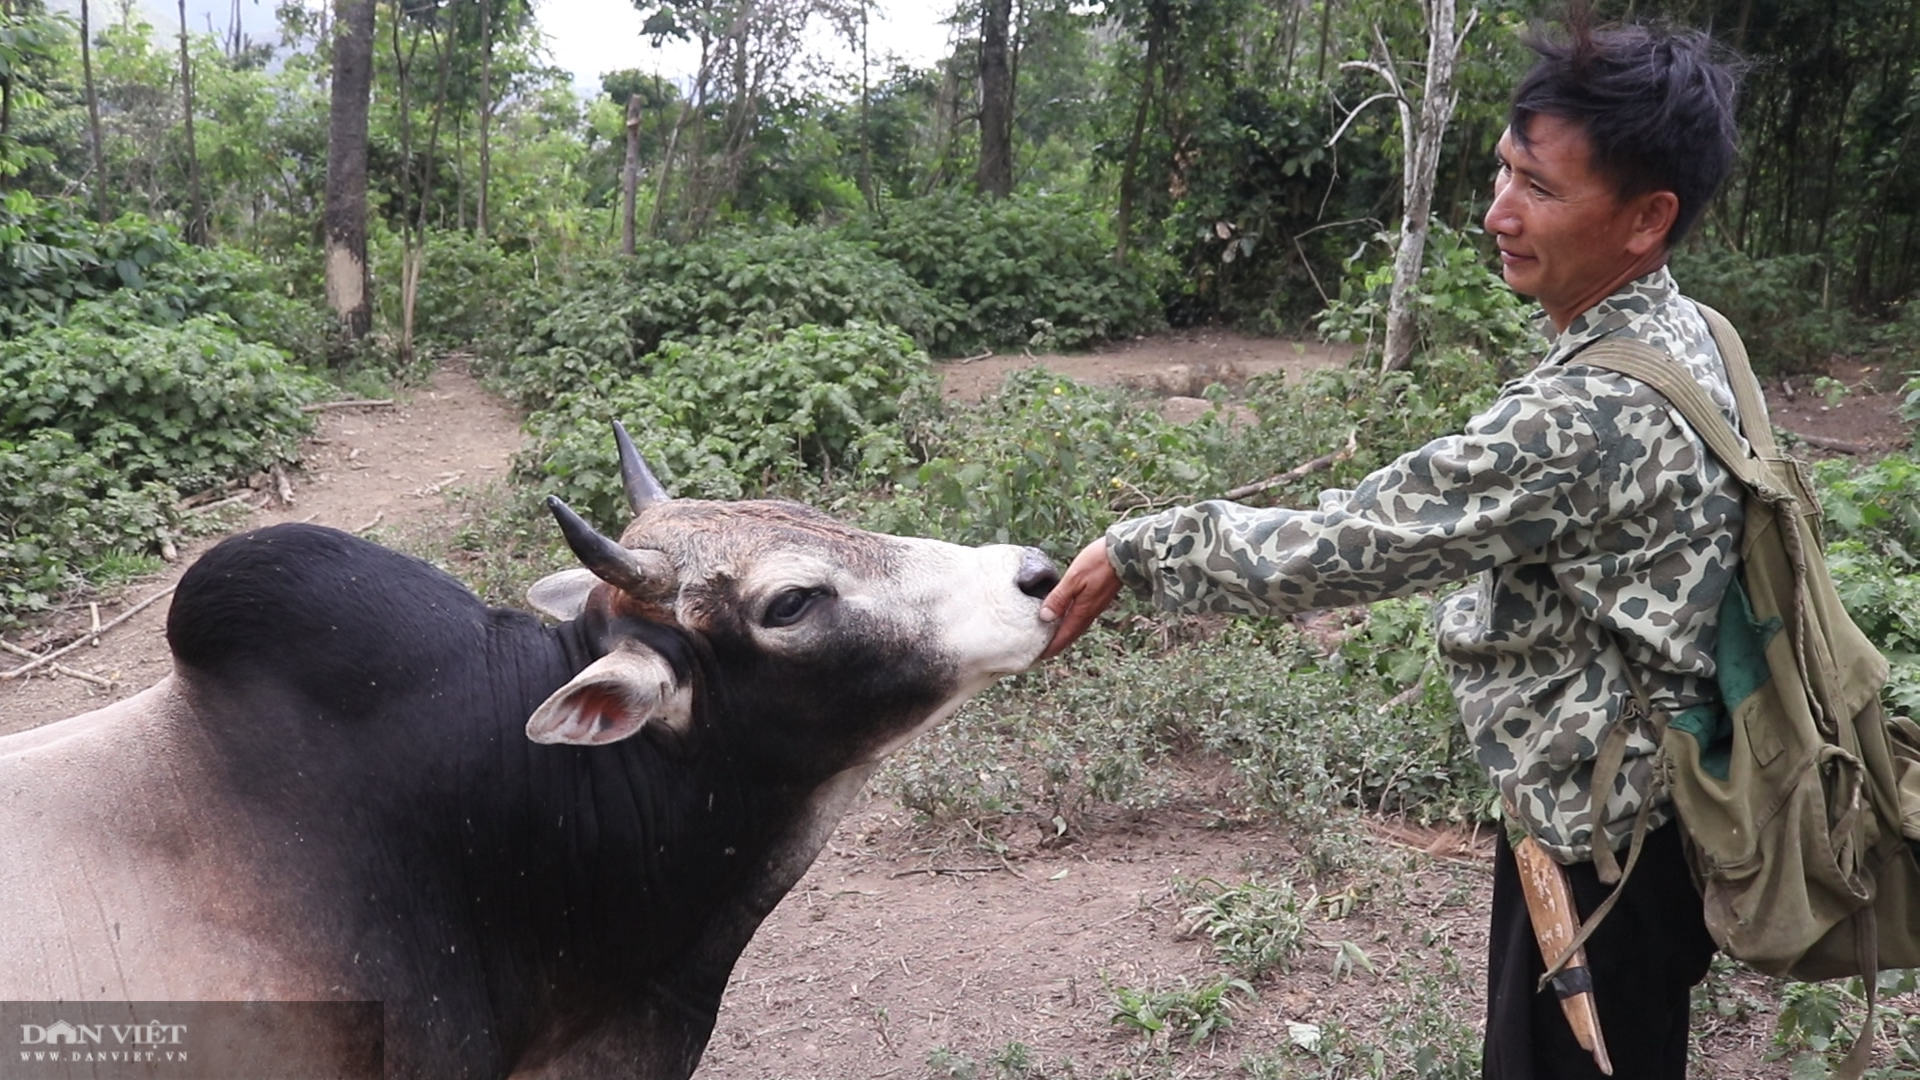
1656, 368
1746, 388
1638, 360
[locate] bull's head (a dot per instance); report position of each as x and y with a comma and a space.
894, 632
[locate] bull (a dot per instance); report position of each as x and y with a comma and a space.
541, 848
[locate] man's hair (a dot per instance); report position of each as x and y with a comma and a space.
1657, 106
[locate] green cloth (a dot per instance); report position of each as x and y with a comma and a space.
1741, 657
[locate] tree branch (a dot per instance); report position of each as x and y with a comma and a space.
1305, 468
1344, 124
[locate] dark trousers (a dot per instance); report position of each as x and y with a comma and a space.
1645, 956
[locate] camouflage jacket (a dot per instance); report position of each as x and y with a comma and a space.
1601, 531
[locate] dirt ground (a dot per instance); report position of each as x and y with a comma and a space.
1176, 367
1861, 414
900, 943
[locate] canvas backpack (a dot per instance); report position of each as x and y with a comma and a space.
1798, 797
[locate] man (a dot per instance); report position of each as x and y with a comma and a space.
1602, 532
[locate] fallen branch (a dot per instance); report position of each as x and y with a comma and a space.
438, 486
60, 669
199, 499
89, 636
954, 870
1410, 695
231, 500
1838, 446
971, 359
1444, 844
377, 515
349, 403
282, 486
1324, 461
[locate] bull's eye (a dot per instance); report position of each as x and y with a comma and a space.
790, 606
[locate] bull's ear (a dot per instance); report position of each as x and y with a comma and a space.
615, 696
562, 595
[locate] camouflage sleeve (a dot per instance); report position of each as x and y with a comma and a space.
1521, 474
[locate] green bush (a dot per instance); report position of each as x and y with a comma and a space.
1379, 417
1255, 927
1457, 301
459, 302
1877, 503
52, 258
56, 266
61, 509
1027, 270
1200, 1012
614, 314
219, 281
187, 404
1872, 521
1883, 596
735, 416
1778, 304
1048, 462
102, 423
1817, 1024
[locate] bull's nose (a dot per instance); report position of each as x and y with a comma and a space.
1037, 575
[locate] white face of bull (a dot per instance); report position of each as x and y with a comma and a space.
781, 590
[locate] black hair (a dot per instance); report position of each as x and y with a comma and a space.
1657, 106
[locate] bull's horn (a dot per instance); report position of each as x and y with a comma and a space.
623, 568
643, 489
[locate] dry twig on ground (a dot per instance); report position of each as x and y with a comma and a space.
349, 403
90, 635
58, 669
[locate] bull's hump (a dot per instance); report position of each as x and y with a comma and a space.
324, 612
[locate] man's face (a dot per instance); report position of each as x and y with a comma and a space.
1566, 239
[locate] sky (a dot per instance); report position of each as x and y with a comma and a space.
591, 37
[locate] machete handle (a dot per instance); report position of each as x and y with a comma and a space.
1555, 922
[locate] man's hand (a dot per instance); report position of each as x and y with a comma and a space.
1085, 590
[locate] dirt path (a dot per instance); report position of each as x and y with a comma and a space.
904, 953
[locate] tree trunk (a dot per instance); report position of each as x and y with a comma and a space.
6, 89
486, 121
93, 116
1130, 165
630, 174
1326, 30
416, 183
689, 109
994, 175
409, 250
1422, 164
346, 200
196, 230
866, 129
